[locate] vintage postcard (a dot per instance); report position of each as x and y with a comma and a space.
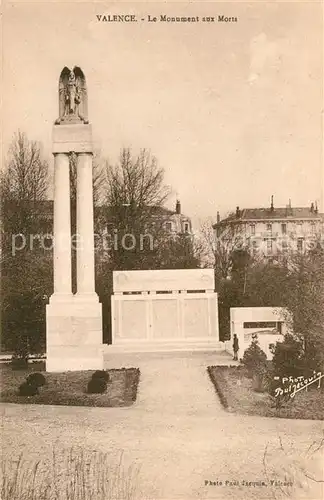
162, 250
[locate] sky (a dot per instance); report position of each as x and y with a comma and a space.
232, 111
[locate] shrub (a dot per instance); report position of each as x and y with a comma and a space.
278, 400
26, 389
254, 359
287, 357
36, 379
97, 386
101, 374
262, 377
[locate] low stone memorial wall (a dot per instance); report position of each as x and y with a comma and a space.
165, 308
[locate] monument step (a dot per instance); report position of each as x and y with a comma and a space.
158, 346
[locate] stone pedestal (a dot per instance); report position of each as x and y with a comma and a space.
69, 138
74, 335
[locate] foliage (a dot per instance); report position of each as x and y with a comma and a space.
37, 379
254, 358
26, 274
238, 391
267, 285
278, 400
287, 357
305, 302
97, 385
26, 389
101, 374
179, 252
26, 280
69, 388
261, 377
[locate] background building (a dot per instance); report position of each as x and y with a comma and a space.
172, 221
272, 231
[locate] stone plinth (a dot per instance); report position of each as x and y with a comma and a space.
72, 137
74, 335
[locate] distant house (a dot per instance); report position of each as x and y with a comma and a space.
172, 221
273, 231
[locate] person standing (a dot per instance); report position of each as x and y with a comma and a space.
235, 347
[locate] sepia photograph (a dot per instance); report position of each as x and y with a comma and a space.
162, 250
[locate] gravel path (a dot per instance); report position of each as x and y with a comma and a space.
178, 434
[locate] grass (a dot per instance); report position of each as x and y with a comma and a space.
72, 474
69, 388
237, 396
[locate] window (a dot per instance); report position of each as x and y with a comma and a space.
168, 226
300, 244
186, 227
284, 246
269, 246
313, 228
284, 228
252, 229
259, 324
269, 228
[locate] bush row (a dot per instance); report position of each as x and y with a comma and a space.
96, 385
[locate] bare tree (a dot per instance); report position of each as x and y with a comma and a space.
134, 197
219, 248
137, 183
24, 185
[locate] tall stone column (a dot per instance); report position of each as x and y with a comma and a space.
85, 229
62, 227
73, 321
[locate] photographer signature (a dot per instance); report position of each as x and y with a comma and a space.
297, 384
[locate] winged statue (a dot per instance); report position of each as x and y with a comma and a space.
73, 98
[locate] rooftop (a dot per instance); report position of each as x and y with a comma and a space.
280, 213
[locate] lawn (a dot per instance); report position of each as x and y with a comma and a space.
69, 388
237, 396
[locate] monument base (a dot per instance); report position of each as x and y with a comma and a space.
74, 334
72, 137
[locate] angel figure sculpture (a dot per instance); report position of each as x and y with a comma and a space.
73, 103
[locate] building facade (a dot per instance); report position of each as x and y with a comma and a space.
273, 231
